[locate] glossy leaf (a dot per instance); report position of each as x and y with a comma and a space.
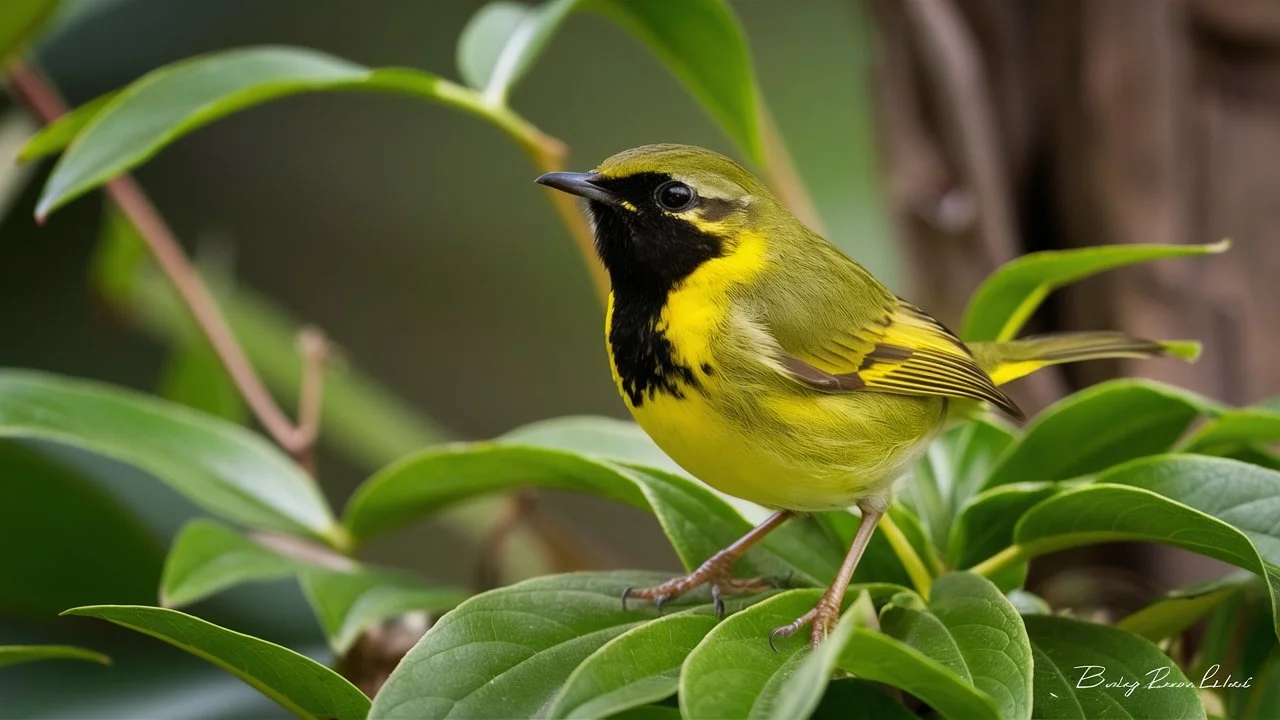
955, 466
57, 135
970, 628
224, 468
174, 100
15, 654
1075, 661
1097, 428
876, 656
1213, 506
506, 653
868, 699
637, 667
604, 438
1005, 301
1233, 429
348, 603
700, 40
986, 523
695, 520
20, 21
208, 557
299, 684
1178, 610
1237, 644
58, 507
799, 694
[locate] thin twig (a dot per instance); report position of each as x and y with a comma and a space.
43, 100
314, 349
783, 176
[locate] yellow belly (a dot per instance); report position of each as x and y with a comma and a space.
806, 452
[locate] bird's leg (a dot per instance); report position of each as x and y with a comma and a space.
826, 613
717, 572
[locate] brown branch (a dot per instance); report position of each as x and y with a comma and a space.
45, 103
314, 349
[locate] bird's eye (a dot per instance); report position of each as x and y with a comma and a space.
675, 196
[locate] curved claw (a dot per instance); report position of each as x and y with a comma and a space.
626, 593
717, 601
783, 631
659, 601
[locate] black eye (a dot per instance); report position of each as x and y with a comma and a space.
675, 196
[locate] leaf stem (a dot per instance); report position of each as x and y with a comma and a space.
42, 98
907, 555
1001, 560
314, 348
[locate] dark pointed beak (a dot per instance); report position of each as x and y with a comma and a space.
580, 184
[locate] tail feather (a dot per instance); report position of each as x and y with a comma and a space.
1007, 361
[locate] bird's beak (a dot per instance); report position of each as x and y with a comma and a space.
580, 184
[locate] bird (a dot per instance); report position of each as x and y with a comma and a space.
770, 365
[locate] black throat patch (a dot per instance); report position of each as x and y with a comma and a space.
647, 253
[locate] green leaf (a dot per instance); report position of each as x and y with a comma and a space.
970, 628
502, 41
58, 507
299, 684
1008, 297
1221, 508
14, 654
801, 692
57, 135
696, 521
1076, 661
174, 100
208, 557
224, 468
637, 667
951, 471
700, 40
986, 524
1097, 428
734, 673
1178, 610
876, 656
1232, 430
594, 436
506, 653
1237, 643
21, 20
348, 603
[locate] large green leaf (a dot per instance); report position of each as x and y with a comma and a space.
1213, 506
224, 468
878, 657
1097, 428
700, 40
734, 671
1233, 430
55, 515
955, 466
637, 667
1237, 647
57, 135
986, 523
969, 627
21, 20
507, 653
14, 654
696, 521
299, 684
349, 602
1085, 670
174, 100
1008, 297
208, 557
1178, 610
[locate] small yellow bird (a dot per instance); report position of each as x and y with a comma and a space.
770, 365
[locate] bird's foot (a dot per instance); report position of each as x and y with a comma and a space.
821, 619
716, 572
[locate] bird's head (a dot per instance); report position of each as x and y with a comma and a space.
661, 211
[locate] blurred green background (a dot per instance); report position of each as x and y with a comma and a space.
413, 235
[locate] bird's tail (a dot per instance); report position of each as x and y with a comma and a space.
1005, 361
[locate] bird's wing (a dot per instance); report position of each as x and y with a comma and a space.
902, 351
